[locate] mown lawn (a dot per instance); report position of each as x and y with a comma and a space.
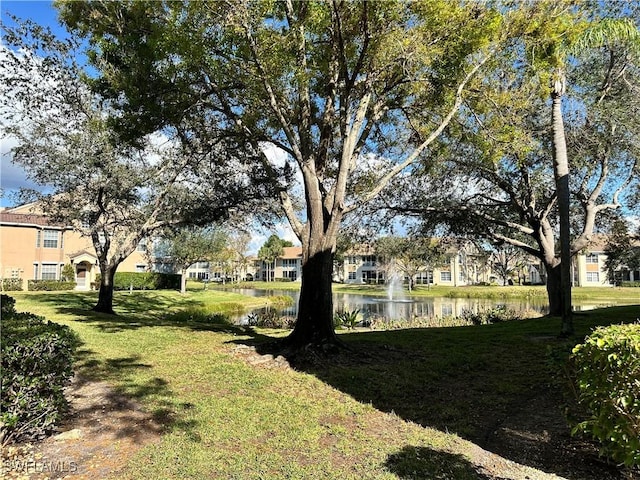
401, 404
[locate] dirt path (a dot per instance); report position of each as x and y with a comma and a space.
102, 431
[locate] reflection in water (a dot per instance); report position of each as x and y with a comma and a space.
407, 308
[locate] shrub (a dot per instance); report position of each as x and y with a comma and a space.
629, 284
68, 273
11, 284
50, 285
282, 279
497, 314
145, 281
607, 369
7, 305
36, 365
270, 318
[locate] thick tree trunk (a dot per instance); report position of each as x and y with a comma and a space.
554, 289
561, 170
105, 295
314, 325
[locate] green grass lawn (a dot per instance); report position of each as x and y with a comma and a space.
404, 404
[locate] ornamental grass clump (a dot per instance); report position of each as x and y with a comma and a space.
37, 363
607, 368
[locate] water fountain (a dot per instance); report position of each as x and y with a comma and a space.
395, 292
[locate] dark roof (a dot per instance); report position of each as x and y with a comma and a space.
26, 219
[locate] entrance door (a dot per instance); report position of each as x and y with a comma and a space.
81, 277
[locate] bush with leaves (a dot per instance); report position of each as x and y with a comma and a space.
607, 368
37, 361
11, 284
496, 314
50, 285
144, 281
270, 318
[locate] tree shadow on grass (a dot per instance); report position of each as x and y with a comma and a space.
490, 385
94, 378
419, 463
137, 311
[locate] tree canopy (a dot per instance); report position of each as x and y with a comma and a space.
352, 93
117, 194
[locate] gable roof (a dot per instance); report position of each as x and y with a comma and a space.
292, 252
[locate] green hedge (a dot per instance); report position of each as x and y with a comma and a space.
37, 362
144, 281
49, 285
11, 284
607, 370
629, 284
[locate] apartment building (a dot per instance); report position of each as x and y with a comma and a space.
34, 248
463, 265
589, 266
288, 265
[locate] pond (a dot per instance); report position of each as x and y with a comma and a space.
403, 307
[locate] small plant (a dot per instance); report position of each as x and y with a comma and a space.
347, 319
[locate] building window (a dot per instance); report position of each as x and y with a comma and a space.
291, 275
424, 278
50, 239
141, 267
142, 246
49, 271
351, 259
445, 276
289, 263
369, 260
352, 275
593, 277
592, 258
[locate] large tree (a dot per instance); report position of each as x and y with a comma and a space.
335, 85
553, 43
115, 194
496, 177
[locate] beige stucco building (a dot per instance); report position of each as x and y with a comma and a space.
34, 248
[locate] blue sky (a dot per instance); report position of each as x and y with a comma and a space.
39, 11
12, 177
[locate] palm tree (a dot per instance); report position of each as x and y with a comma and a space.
565, 37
